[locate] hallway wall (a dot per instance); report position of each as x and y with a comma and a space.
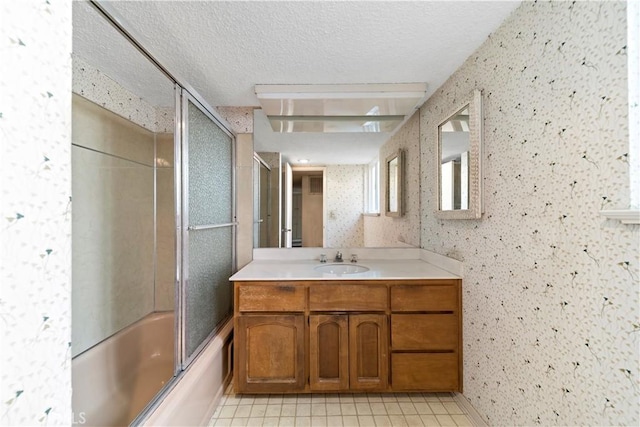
551, 301
345, 203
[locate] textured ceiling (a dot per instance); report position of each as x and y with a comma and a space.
223, 49
102, 46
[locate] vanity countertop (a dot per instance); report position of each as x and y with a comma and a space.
396, 269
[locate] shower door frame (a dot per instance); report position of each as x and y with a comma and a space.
183, 360
181, 90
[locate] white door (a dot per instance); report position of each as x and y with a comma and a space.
288, 205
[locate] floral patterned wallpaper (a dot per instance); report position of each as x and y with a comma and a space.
97, 87
385, 231
551, 295
239, 118
345, 203
35, 230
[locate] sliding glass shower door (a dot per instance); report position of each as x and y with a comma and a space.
208, 226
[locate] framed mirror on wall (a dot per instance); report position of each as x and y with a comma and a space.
393, 184
459, 179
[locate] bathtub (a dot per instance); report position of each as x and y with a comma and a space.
114, 380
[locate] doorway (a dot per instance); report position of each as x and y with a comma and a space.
307, 213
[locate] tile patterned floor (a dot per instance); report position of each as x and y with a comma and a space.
348, 410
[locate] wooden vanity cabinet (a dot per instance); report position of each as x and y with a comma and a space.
328, 352
368, 350
348, 351
269, 338
270, 351
345, 336
426, 336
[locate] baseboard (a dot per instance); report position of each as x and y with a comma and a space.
471, 412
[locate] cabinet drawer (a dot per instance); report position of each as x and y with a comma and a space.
345, 297
424, 298
424, 331
271, 297
425, 371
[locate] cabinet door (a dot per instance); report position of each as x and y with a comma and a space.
270, 353
368, 352
328, 352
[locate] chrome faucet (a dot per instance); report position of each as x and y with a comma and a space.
338, 257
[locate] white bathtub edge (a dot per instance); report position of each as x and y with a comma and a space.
197, 393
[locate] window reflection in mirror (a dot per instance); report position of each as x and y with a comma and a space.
454, 162
394, 185
459, 160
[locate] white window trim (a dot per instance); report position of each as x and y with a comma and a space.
372, 188
632, 215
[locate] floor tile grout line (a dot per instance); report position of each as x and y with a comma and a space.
405, 402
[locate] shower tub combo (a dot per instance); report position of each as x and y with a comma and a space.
114, 380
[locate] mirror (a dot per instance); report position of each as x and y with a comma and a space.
345, 223
393, 184
459, 154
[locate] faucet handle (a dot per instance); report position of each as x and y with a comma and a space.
354, 258
323, 258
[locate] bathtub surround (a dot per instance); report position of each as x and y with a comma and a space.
35, 236
118, 166
192, 401
551, 288
104, 391
128, 109
164, 286
384, 231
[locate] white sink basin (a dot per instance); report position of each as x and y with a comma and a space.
341, 268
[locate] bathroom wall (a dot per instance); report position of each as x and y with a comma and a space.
35, 235
345, 204
244, 199
385, 231
551, 301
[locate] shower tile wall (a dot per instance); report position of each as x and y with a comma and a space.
165, 224
113, 227
110, 119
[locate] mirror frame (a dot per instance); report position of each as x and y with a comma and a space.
475, 209
398, 188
